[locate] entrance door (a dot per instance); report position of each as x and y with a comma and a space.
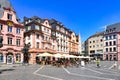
9, 59
110, 57
106, 57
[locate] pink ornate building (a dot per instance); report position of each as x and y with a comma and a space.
112, 42
12, 33
38, 33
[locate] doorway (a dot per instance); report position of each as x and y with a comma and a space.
9, 58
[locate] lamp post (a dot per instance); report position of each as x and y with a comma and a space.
1, 42
1, 45
25, 51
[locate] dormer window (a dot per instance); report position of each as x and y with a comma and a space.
107, 31
37, 27
46, 23
38, 20
9, 16
26, 22
29, 20
110, 30
114, 29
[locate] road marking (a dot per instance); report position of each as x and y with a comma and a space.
48, 76
111, 67
113, 73
75, 74
106, 70
66, 70
91, 76
94, 70
45, 75
38, 69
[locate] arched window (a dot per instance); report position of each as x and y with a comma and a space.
1, 57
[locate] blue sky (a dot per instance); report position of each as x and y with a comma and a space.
84, 16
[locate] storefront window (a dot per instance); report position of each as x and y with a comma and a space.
1, 57
18, 58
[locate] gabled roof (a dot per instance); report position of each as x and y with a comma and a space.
97, 34
5, 4
35, 18
115, 26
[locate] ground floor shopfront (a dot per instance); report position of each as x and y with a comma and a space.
111, 56
35, 59
11, 57
97, 56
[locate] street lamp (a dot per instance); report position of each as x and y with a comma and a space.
25, 52
1, 41
1, 45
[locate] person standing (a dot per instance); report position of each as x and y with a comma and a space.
98, 63
115, 65
82, 63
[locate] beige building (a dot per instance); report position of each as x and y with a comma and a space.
94, 45
74, 47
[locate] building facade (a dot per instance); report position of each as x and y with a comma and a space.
112, 42
48, 36
38, 35
62, 36
94, 45
74, 45
11, 30
67, 41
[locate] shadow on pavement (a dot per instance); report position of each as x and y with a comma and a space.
3, 70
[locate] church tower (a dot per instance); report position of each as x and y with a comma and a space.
79, 42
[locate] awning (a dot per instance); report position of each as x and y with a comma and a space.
45, 54
84, 57
57, 55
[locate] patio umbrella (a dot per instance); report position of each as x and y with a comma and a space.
80, 56
85, 57
72, 56
45, 54
57, 55
65, 56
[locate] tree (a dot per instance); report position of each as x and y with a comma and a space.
25, 52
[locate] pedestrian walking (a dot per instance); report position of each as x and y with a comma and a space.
115, 65
77, 64
82, 63
98, 63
